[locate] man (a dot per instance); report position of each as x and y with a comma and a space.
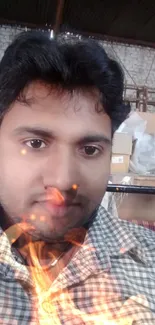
63, 258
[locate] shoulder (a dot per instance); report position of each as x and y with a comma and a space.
141, 232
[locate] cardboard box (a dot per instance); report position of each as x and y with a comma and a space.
121, 151
122, 143
144, 180
139, 207
150, 119
135, 206
120, 163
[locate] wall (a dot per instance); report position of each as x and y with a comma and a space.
138, 62
6, 36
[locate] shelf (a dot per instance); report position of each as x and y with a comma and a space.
135, 200
118, 188
132, 183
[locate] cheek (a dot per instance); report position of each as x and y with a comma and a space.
16, 181
99, 186
15, 173
97, 178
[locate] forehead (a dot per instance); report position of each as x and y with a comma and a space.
62, 112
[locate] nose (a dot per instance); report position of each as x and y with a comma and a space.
61, 172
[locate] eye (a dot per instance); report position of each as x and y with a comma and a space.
91, 150
35, 144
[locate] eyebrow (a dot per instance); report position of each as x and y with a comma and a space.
38, 131
96, 138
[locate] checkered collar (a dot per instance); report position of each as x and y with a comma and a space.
110, 232
10, 264
107, 237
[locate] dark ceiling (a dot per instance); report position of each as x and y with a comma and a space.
132, 20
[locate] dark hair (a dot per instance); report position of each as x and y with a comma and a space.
66, 63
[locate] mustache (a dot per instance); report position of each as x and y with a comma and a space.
65, 197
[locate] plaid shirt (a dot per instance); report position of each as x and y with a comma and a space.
109, 281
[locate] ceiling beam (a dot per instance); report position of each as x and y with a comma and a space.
59, 16
109, 38
24, 24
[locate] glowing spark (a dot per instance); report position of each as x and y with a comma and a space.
122, 250
55, 195
32, 217
74, 187
42, 218
23, 152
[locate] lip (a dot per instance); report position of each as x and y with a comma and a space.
58, 209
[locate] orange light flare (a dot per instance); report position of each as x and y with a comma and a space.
33, 217
54, 195
15, 231
23, 152
75, 187
46, 301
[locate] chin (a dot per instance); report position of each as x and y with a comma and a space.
48, 236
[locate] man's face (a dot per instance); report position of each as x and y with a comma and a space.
47, 148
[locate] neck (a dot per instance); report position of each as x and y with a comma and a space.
75, 237
48, 253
